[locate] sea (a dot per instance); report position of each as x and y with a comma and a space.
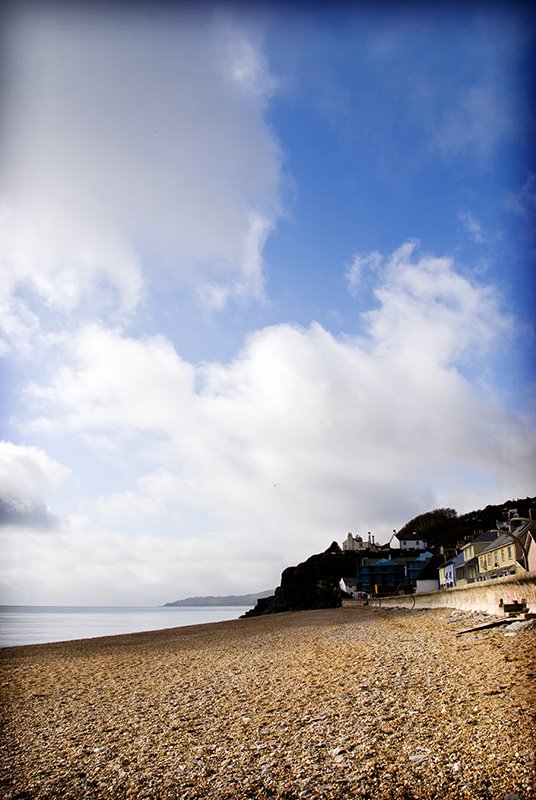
21, 625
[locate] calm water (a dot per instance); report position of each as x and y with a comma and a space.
40, 624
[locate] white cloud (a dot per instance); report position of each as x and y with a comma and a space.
131, 141
82, 561
430, 313
472, 226
112, 381
357, 432
360, 263
27, 475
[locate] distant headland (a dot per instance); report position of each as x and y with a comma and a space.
226, 600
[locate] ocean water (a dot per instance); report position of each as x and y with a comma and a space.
40, 624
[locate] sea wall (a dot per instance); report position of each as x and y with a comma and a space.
485, 596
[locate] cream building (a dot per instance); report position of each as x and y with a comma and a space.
509, 554
355, 543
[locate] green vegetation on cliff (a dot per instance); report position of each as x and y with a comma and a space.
444, 528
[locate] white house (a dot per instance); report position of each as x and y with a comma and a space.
410, 541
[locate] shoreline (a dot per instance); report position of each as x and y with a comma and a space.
152, 634
46, 624
336, 703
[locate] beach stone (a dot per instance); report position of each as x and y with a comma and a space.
418, 758
515, 626
329, 704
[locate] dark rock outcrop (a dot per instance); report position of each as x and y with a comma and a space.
312, 584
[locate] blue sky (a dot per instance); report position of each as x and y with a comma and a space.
242, 249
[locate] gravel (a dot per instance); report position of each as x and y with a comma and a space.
350, 703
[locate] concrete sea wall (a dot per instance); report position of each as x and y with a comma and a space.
485, 596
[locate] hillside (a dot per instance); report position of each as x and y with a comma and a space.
226, 600
444, 528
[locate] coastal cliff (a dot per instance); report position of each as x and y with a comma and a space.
314, 583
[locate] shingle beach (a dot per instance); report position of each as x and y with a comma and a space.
347, 703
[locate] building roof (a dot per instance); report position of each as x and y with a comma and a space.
501, 541
528, 529
423, 556
520, 535
409, 537
455, 561
487, 536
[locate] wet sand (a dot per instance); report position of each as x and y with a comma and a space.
359, 703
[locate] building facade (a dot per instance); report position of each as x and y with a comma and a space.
468, 569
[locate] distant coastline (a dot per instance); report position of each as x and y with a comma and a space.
227, 600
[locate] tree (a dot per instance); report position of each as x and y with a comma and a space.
426, 524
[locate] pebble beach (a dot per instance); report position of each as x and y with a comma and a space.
357, 702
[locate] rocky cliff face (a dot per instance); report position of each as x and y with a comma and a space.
312, 584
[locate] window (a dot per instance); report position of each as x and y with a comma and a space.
503, 554
510, 552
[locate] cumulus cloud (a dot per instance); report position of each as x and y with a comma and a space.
27, 474
130, 141
112, 381
358, 432
430, 313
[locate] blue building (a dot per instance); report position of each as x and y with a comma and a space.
390, 575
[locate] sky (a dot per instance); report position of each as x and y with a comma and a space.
266, 277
